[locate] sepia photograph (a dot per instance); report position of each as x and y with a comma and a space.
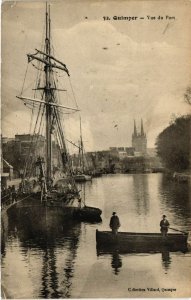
95, 149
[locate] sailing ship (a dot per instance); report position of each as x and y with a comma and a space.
52, 195
81, 172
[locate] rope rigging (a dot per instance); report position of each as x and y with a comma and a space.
36, 67
24, 78
34, 135
73, 93
43, 60
37, 84
41, 125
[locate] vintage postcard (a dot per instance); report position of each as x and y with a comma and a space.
96, 149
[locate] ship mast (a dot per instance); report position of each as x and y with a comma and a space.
82, 147
48, 98
47, 70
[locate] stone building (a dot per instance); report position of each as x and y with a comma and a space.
24, 150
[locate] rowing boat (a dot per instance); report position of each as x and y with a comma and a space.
88, 214
145, 242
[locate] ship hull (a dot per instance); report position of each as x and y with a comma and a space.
49, 215
143, 242
40, 216
82, 178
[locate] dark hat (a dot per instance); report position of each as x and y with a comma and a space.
114, 213
164, 216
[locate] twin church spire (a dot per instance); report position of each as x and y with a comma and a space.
135, 129
139, 140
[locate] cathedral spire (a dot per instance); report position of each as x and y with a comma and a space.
142, 130
135, 129
139, 140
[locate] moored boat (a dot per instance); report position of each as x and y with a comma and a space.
145, 242
82, 174
88, 213
82, 178
96, 173
53, 192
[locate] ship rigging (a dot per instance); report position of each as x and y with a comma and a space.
51, 189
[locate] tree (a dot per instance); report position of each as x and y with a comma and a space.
187, 95
173, 144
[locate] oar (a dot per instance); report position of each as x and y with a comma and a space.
178, 230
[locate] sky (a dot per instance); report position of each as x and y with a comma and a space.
120, 70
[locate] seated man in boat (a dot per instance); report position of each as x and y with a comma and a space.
114, 223
164, 224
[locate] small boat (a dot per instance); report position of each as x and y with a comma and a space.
82, 178
88, 213
96, 173
143, 242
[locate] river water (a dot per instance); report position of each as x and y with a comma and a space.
66, 264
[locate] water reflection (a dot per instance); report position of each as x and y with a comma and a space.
58, 249
49, 275
141, 193
59, 261
116, 262
175, 197
117, 255
166, 260
4, 232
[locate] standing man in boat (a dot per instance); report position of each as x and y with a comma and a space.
114, 223
164, 224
